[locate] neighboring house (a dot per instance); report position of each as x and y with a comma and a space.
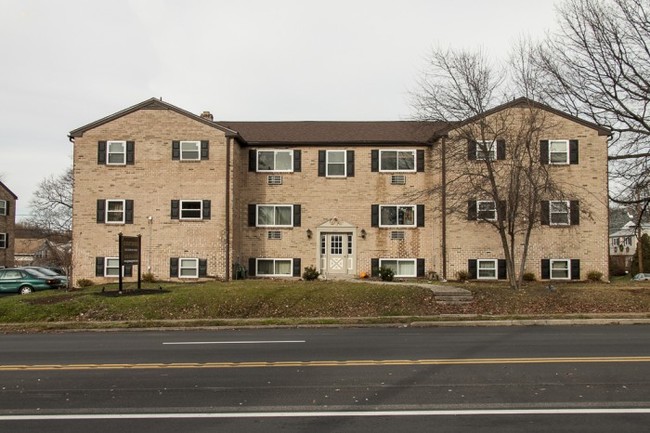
622, 243
210, 198
7, 226
40, 252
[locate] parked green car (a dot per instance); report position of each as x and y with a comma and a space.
25, 281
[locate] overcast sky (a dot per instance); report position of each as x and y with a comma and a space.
66, 63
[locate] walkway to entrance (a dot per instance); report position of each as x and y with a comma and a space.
443, 294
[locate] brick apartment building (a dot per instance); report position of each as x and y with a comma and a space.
7, 226
212, 197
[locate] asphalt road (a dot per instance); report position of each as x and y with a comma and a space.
576, 379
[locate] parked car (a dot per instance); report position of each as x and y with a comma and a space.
25, 281
641, 277
49, 273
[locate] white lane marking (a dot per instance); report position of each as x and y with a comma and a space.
324, 414
234, 342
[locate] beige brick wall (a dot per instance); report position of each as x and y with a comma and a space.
152, 182
7, 225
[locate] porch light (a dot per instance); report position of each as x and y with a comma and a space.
309, 233
363, 233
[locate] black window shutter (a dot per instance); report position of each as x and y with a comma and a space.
176, 150
205, 149
175, 209
501, 149
130, 152
374, 215
503, 269
128, 212
574, 208
374, 267
420, 160
349, 169
99, 266
546, 269
252, 211
6, 241
173, 267
252, 269
545, 217
7, 206
472, 214
420, 267
101, 153
543, 151
471, 269
374, 160
575, 269
296, 267
101, 211
502, 210
128, 270
203, 267
207, 211
573, 152
420, 215
297, 160
252, 160
471, 150
296, 215
322, 162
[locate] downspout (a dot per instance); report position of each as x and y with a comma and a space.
227, 207
443, 205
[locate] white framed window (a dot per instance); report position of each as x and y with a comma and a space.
115, 211
112, 267
3, 241
116, 152
486, 210
274, 215
558, 151
275, 160
190, 150
336, 163
3, 207
486, 269
274, 267
560, 269
397, 215
401, 267
559, 212
397, 160
191, 209
188, 268
486, 149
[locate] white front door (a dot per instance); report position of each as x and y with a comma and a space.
337, 253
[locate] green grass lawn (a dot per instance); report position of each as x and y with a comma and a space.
284, 301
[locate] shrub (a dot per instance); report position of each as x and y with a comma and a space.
310, 273
528, 276
594, 276
148, 277
84, 282
462, 275
386, 274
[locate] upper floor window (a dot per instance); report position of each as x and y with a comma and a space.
397, 216
559, 212
115, 211
396, 160
190, 150
191, 209
486, 210
336, 163
3, 240
559, 152
275, 160
3, 207
116, 153
269, 215
486, 149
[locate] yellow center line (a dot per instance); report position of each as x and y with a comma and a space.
332, 363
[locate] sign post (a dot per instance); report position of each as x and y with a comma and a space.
130, 253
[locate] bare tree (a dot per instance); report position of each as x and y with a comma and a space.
52, 204
463, 88
597, 66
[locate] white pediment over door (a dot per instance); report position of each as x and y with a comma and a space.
335, 223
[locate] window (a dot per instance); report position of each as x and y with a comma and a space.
486, 149
191, 209
394, 216
188, 268
559, 212
397, 160
275, 160
487, 210
3, 207
111, 267
116, 153
336, 162
115, 211
401, 267
3, 240
274, 215
274, 267
190, 150
486, 269
558, 151
560, 269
